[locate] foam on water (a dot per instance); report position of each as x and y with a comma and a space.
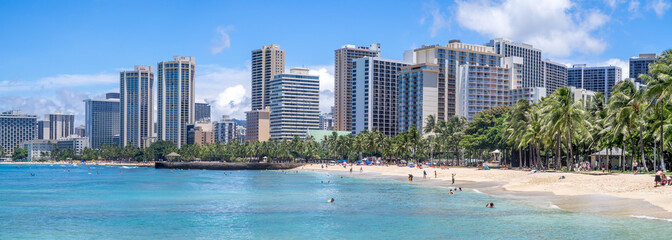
652, 218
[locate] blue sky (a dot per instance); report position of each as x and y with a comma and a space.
57, 53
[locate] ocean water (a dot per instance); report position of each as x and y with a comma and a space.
99, 202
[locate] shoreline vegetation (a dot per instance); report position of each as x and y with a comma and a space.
613, 194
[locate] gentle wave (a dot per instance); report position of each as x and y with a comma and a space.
128, 167
554, 206
476, 191
652, 218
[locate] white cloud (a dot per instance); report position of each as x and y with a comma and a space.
222, 41
233, 101
614, 3
64, 100
633, 9
327, 83
659, 7
557, 27
624, 65
226, 89
433, 10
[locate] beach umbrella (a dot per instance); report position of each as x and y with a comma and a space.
338, 160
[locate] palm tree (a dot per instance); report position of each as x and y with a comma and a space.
515, 124
659, 82
562, 113
627, 106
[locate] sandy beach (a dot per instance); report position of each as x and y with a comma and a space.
103, 163
618, 194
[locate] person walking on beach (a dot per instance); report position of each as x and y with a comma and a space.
453, 178
350, 169
634, 165
424, 174
361, 169
435, 176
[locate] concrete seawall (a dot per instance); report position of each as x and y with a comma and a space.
226, 165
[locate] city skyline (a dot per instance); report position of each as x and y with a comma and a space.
90, 58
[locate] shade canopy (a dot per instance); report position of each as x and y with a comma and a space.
609, 152
173, 154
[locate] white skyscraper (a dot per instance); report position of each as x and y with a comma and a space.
137, 106
175, 99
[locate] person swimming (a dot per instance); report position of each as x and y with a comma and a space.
330, 200
490, 205
460, 189
410, 177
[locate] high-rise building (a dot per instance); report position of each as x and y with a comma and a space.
137, 106
327, 121
15, 129
202, 112
640, 65
39, 149
102, 120
240, 133
267, 62
175, 99
61, 125
448, 58
295, 104
480, 88
555, 75
343, 81
258, 127
80, 131
200, 133
225, 130
374, 95
43, 129
418, 91
597, 79
74, 143
532, 66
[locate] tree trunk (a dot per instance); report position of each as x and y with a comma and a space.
662, 147
520, 159
558, 158
570, 157
641, 148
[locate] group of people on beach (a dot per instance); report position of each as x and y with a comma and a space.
662, 180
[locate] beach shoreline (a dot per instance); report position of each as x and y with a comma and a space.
614, 194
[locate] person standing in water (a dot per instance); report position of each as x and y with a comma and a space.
453, 178
435, 175
424, 174
410, 177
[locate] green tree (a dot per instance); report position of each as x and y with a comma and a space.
563, 114
20, 153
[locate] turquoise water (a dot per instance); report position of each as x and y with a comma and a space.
66, 202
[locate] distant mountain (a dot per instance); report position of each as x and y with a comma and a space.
239, 122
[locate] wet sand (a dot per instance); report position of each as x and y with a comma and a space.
615, 195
